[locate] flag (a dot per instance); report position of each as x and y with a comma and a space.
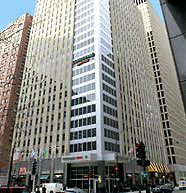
32, 154
16, 155
21, 155
44, 153
131, 150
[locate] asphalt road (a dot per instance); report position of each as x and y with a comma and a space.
179, 191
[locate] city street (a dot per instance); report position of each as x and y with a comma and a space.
179, 191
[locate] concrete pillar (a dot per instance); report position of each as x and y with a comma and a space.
101, 174
65, 172
52, 169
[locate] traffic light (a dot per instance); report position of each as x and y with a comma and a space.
116, 168
34, 167
90, 172
137, 150
140, 150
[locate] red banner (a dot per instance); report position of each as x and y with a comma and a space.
22, 170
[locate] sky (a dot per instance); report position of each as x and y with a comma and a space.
12, 9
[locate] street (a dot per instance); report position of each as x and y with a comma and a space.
179, 191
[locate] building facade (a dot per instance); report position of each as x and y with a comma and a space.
13, 49
174, 15
168, 91
88, 95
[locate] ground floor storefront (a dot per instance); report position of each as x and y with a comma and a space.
91, 175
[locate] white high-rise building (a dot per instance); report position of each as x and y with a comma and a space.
168, 90
88, 94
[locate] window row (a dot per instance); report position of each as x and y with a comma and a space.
164, 116
88, 6
162, 102
87, 146
83, 44
80, 3
2, 68
83, 36
84, 28
111, 147
84, 52
82, 79
109, 90
83, 22
83, 99
83, 15
110, 111
108, 46
110, 122
107, 61
155, 61
109, 100
83, 134
166, 124
111, 134
83, 69
83, 110
108, 80
83, 122
83, 89
108, 70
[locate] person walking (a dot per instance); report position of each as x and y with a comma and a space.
37, 189
44, 189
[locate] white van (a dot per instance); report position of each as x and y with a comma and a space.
52, 187
182, 183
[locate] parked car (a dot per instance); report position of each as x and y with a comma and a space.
16, 189
162, 189
169, 185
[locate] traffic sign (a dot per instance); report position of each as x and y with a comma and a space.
144, 174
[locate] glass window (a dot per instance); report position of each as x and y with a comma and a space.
94, 132
89, 146
84, 133
80, 134
94, 145
89, 132
84, 146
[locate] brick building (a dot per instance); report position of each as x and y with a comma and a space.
13, 48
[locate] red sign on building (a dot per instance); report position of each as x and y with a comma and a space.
22, 170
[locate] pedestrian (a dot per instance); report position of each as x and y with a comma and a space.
37, 189
44, 189
122, 187
115, 188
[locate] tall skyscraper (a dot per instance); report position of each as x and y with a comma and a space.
88, 94
13, 49
168, 91
174, 15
